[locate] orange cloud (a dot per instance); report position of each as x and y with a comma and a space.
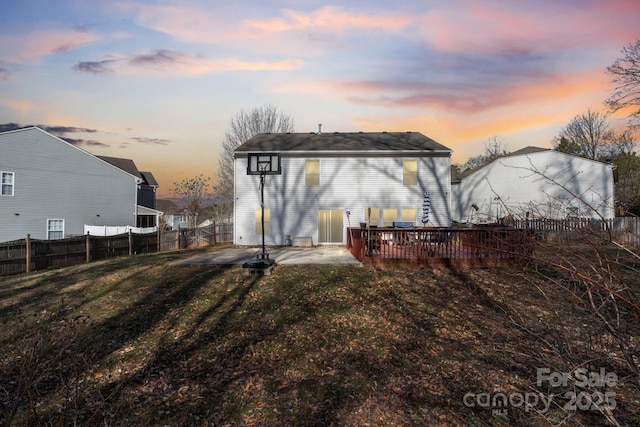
18, 105
329, 18
167, 62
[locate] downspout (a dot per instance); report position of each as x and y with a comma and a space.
138, 181
235, 222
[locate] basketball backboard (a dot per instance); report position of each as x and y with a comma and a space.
263, 164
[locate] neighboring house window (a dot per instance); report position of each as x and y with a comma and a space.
389, 215
267, 220
373, 218
8, 182
312, 176
55, 229
409, 215
410, 172
572, 211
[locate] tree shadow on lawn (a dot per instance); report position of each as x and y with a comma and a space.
343, 347
44, 374
313, 345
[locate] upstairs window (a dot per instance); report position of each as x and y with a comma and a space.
8, 183
55, 229
410, 172
312, 175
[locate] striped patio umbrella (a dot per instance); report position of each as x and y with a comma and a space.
426, 204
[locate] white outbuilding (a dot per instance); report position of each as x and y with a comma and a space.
534, 182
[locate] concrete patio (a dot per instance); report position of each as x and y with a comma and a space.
337, 255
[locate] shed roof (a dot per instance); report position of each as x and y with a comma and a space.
338, 141
521, 152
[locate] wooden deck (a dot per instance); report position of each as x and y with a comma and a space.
441, 246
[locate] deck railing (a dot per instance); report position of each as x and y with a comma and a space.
434, 245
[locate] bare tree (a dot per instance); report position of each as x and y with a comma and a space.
245, 125
193, 191
587, 135
493, 148
625, 75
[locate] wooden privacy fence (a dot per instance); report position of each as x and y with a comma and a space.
625, 230
441, 246
28, 254
194, 237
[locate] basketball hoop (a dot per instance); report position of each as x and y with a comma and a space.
263, 164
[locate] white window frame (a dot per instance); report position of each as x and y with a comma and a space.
50, 230
12, 186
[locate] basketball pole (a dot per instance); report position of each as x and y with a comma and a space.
262, 176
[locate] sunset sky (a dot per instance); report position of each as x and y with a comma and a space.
158, 81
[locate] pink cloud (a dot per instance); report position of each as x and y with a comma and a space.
195, 23
41, 43
191, 24
491, 27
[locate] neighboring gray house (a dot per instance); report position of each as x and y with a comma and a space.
330, 181
51, 189
146, 215
534, 182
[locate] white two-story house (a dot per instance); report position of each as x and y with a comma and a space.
330, 181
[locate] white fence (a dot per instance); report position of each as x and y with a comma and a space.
104, 230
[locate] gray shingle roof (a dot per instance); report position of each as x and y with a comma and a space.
126, 165
129, 166
149, 179
354, 141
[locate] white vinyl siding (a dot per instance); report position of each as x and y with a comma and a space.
55, 229
545, 184
8, 183
352, 184
312, 172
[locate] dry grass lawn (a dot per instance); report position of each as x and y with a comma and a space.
138, 341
